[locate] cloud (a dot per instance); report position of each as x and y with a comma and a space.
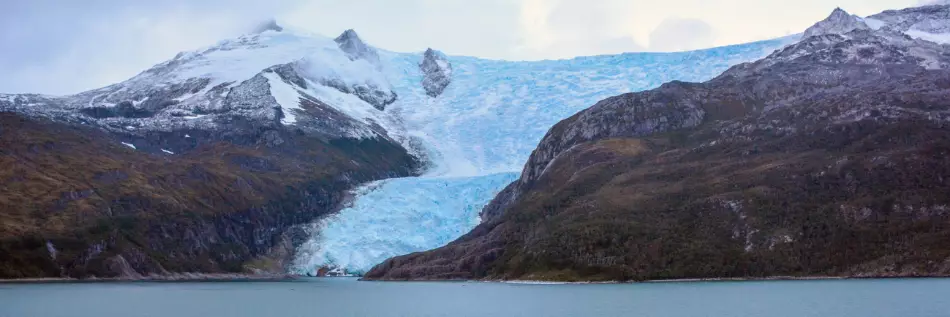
675, 34
567, 28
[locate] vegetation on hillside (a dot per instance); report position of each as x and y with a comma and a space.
76, 202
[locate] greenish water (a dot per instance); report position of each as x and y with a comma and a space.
347, 297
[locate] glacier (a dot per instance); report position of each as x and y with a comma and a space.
399, 215
477, 135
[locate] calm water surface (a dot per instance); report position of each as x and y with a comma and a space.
347, 297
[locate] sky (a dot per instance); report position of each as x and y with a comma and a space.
64, 46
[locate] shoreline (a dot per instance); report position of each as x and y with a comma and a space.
228, 277
169, 278
722, 279
747, 279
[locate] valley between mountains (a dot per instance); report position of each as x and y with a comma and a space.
281, 151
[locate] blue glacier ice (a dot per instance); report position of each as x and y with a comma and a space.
478, 134
400, 215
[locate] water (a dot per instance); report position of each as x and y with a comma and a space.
346, 297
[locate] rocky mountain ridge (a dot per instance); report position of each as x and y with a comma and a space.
933, 19
206, 89
839, 22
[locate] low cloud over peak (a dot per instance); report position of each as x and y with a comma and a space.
675, 34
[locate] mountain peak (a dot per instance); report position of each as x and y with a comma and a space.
269, 25
434, 54
348, 36
355, 48
839, 22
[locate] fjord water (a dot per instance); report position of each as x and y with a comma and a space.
347, 297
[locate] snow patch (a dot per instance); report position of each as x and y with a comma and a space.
444, 66
193, 117
287, 97
186, 97
353, 107
874, 24
167, 151
939, 38
51, 249
331, 64
242, 58
140, 101
129, 145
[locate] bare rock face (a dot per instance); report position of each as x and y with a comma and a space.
379, 97
436, 72
355, 48
839, 22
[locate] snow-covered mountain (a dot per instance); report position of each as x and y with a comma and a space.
930, 23
476, 121
276, 75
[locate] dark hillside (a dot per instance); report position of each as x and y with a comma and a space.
76, 202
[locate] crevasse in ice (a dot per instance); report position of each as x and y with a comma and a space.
478, 133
